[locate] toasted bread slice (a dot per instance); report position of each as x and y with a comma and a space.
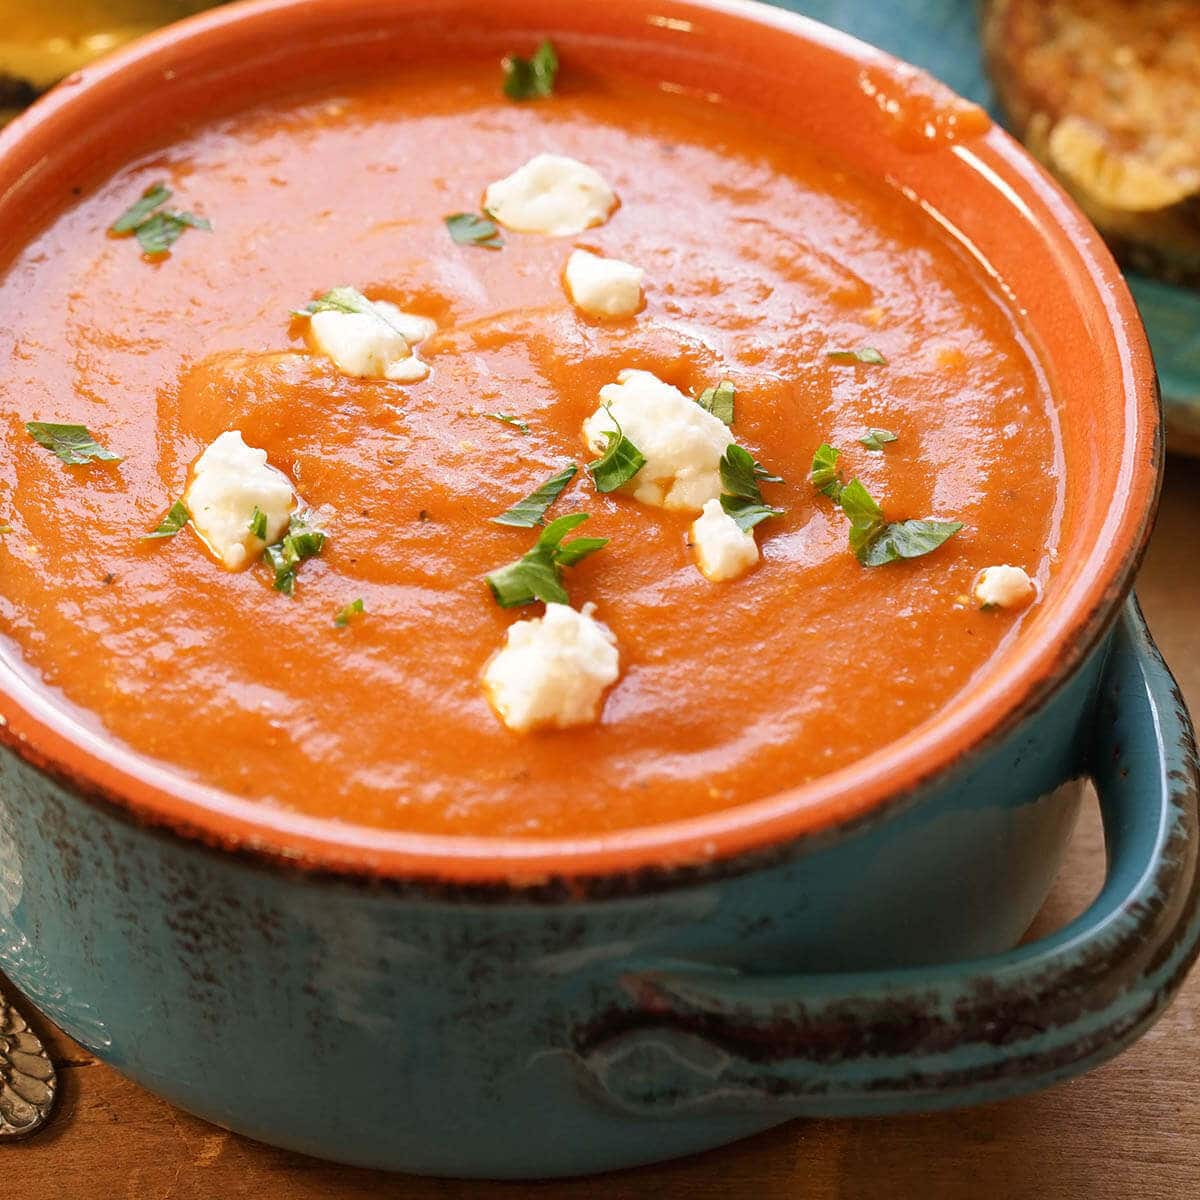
1106, 93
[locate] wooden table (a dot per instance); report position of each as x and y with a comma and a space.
1129, 1129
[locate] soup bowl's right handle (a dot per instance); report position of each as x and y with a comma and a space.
706, 1039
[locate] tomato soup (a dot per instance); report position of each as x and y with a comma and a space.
831, 304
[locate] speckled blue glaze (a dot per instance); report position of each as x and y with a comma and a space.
499, 1035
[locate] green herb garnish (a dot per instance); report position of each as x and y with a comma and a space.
718, 401
302, 540
619, 463
347, 613
868, 354
177, 517
527, 513
470, 229
910, 539
338, 299
156, 232
72, 443
537, 574
258, 524
825, 476
506, 419
742, 497
344, 300
876, 541
137, 212
531, 78
876, 439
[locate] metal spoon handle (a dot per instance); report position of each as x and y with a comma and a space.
28, 1083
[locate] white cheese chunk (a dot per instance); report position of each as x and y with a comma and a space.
723, 549
1003, 587
603, 287
552, 670
229, 481
550, 194
375, 345
681, 442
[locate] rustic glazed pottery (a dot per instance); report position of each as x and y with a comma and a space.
517, 1008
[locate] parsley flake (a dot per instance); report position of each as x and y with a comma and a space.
537, 574
258, 524
348, 612
877, 541
876, 439
72, 443
718, 401
867, 354
619, 463
531, 78
156, 232
527, 513
302, 540
177, 517
506, 419
470, 229
742, 498
825, 476
137, 212
345, 300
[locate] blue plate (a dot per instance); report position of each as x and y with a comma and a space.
943, 37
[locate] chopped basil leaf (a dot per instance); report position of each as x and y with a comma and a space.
718, 401
876, 542
72, 443
875, 439
162, 231
348, 613
826, 477
302, 540
747, 514
527, 513
156, 232
578, 549
258, 524
531, 78
177, 517
470, 229
537, 574
908, 539
506, 419
867, 354
137, 212
619, 463
344, 300
866, 517
742, 498
338, 299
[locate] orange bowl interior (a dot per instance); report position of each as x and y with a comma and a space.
1042, 253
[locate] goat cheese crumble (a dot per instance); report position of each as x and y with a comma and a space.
230, 482
552, 670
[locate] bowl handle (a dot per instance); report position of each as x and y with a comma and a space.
707, 1038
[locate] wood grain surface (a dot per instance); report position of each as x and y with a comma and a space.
1129, 1129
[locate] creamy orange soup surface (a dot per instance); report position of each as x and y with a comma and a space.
759, 259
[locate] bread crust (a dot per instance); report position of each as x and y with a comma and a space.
1106, 94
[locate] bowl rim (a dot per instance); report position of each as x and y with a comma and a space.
45, 734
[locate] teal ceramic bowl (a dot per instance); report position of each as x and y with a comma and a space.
508, 1008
